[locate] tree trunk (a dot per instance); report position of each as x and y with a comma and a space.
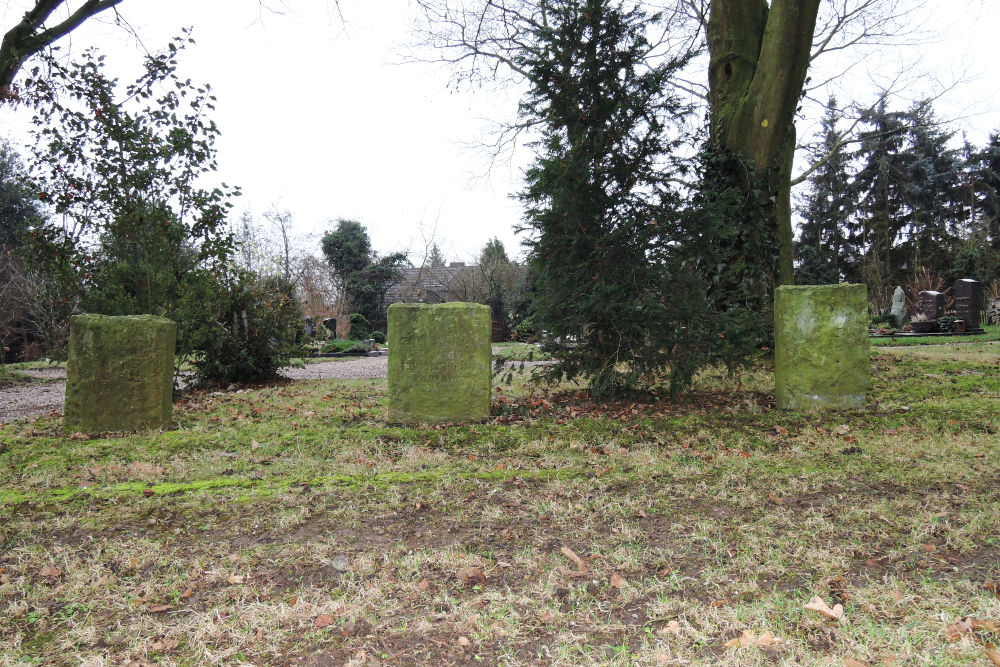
759, 55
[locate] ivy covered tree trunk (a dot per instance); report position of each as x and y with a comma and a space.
759, 55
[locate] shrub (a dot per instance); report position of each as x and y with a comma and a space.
238, 326
360, 329
378, 337
342, 345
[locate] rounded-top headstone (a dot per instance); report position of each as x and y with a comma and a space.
119, 376
821, 346
439, 362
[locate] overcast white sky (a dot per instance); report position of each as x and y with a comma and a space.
321, 116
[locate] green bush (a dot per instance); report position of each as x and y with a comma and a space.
236, 326
360, 329
342, 345
378, 337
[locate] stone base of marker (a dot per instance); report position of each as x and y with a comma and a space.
439, 362
119, 376
821, 346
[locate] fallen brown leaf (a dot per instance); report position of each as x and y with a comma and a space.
236, 579
164, 645
569, 553
616, 580
472, 575
672, 627
186, 594
750, 638
464, 641
50, 572
423, 585
818, 605
993, 654
157, 608
849, 662
323, 621
957, 630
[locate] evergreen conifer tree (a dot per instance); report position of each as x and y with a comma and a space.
824, 252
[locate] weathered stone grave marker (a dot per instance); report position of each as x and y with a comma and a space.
119, 376
898, 310
932, 304
439, 362
821, 346
968, 302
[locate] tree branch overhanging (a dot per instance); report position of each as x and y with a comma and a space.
30, 35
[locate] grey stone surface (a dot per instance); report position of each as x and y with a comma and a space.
898, 310
968, 302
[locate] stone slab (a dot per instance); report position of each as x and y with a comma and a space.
439, 362
968, 302
119, 376
821, 346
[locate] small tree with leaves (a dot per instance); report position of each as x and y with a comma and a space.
122, 170
364, 276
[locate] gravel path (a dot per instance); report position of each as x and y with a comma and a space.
33, 400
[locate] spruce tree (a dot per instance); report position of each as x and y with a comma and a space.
879, 187
824, 252
931, 194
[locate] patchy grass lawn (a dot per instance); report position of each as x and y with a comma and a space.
291, 525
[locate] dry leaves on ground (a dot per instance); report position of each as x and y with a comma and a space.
569, 553
818, 605
750, 638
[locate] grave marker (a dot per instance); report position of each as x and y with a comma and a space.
968, 302
119, 376
932, 304
439, 362
821, 346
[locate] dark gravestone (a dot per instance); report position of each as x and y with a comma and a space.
932, 304
968, 302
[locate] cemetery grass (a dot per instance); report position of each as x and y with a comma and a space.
290, 524
992, 334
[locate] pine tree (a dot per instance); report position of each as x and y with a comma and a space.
597, 195
879, 187
931, 194
824, 252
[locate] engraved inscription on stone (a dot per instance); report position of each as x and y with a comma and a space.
968, 302
932, 304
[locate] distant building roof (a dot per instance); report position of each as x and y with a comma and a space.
431, 284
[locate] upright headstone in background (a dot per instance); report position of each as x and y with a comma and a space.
898, 310
821, 346
119, 376
968, 302
932, 304
439, 362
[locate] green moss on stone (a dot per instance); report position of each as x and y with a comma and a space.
439, 362
821, 346
119, 376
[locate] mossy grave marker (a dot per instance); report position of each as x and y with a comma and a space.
439, 362
119, 376
821, 346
